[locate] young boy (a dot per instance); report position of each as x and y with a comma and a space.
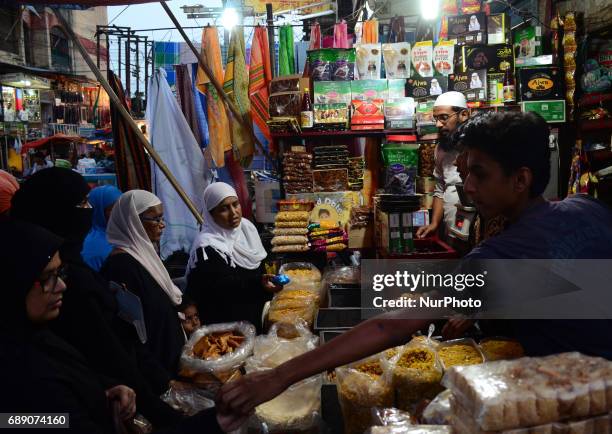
188, 312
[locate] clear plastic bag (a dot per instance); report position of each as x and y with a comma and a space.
391, 417
303, 275
347, 275
188, 401
290, 306
459, 352
438, 411
297, 409
362, 386
212, 373
531, 391
417, 375
417, 429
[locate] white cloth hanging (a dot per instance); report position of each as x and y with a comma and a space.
173, 140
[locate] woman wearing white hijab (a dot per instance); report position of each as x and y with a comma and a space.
224, 275
135, 226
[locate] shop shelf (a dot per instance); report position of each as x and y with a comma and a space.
428, 248
350, 133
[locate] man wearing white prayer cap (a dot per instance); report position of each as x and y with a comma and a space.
450, 111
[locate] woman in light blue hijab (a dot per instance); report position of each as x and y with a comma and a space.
96, 248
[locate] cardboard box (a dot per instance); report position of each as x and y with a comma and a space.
396, 88
460, 26
368, 113
325, 114
399, 113
426, 87
495, 89
493, 58
528, 41
498, 29
332, 92
361, 238
551, 111
472, 83
369, 89
472, 38
539, 84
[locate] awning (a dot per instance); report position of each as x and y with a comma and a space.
10, 68
57, 139
71, 4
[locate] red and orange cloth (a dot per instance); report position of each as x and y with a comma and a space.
260, 75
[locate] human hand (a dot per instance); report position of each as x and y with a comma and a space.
427, 231
456, 326
240, 397
126, 398
231, 421
266, 282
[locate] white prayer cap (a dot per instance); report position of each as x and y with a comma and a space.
451, 99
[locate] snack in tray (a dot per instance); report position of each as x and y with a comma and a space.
459, 354
501, 349
528, 391
362, 386
217, 344
417, 376
290, 216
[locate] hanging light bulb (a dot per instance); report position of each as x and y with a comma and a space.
430, 9
230, 18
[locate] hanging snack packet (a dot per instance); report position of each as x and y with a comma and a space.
397, 59
368, 61
470, 6
343, 68
443, 57
422, 56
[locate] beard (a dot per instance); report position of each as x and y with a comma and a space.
445, 141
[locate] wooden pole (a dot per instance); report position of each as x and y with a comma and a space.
218, 87
126, 116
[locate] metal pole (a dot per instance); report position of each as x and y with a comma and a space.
107, 54
146, 68
270, 22
218, 87
119, 58
126, 116
128, 68
98, 46
137, 66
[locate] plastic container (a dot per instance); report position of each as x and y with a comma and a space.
427, 159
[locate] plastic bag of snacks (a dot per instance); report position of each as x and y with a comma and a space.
362, 386
459, 352
417, 375
531, 391
501, 349
417, 429
438, 411
188, 401
298, 407
303, 275
215, 353
291, 306
391, 416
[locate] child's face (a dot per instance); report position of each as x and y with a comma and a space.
191, 321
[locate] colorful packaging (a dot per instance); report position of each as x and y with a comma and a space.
422, 57
449, 7
537, 84
287, 83
476, 94
368, 113
369, 89
468, 29
397, 59
343, 68
320, 64
332, 92
495, 94
325, 114
399, 113
443, 57
471, 6
459, 82
551, 111
493, 58
401, 168
426, 87
528, 41
497, 29
396, 88
368, 61
285, 104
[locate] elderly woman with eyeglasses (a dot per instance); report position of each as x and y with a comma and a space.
134, 229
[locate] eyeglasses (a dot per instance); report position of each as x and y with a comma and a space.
50, 283
157, 220
443, 119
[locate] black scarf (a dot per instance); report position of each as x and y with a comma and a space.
49, 199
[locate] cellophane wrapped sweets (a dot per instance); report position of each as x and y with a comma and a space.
292, 305
362, 386
215, 353
417, 374
438, 411
529, 391
297, 409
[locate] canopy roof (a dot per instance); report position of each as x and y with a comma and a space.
57, 139
72, 4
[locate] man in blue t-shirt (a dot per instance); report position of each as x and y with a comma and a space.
509, 167
509, 163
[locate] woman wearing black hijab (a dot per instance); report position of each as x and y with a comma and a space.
56, 199
39, 371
